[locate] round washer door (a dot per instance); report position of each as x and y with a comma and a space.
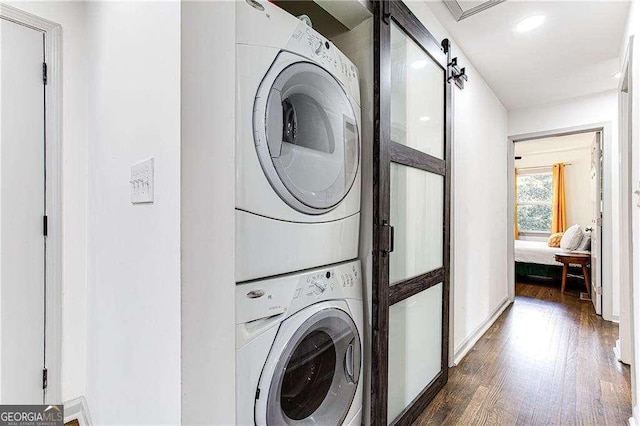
317, 373
312, 144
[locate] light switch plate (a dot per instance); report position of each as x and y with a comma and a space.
142, 182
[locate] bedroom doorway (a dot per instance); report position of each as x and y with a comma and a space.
557, 200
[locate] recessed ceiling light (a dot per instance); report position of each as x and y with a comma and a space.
617, 75
425, 118
419, 64
528, 24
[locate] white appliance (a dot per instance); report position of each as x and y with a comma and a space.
297, 146
299, 348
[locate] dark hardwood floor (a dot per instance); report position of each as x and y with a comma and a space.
547, 360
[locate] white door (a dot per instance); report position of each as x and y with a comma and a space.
596, 223
22, 207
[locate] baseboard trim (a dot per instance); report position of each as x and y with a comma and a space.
633, 420
617, 352
77, 409
463, 348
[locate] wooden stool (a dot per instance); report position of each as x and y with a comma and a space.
581, 259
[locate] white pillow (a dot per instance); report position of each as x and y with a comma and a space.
585, 244
572, 238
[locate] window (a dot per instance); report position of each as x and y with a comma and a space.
534, 201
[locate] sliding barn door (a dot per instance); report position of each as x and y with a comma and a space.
411, 216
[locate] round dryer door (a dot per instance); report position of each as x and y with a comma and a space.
317, 374
312, 149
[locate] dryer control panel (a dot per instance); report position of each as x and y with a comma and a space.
307, 41
289, 293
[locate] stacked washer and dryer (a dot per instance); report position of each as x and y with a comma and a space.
299, 308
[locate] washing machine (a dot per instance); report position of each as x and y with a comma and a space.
297, 146
299, 348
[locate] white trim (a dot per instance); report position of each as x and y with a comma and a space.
618, 353
634, 420
511, 212
53, 104
77, 409
468, 343
459, 14
627, 206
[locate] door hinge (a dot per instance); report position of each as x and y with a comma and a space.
44, 73
257, 394
45, 225
44, 378
599, 289
386, 237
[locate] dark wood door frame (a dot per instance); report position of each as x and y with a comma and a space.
386, 151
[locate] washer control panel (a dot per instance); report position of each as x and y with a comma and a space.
321, 50
289, 293
330, 283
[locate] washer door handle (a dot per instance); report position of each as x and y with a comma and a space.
348, 363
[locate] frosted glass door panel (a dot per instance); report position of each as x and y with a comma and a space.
417, 215
415, 347
417, 96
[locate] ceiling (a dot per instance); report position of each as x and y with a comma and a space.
574, 53
554, 144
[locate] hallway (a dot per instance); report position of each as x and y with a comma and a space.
545, 361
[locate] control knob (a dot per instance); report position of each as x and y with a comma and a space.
319, 286
318, 48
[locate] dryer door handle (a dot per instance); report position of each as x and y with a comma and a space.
348, 363
274, 123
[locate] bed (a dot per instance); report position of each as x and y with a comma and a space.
537, 258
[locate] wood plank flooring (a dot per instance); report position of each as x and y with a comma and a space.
547, 360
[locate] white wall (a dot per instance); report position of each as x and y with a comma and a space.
207, 202
595, 108
588, 110
133, 374
479, 284
71, 15
577, 173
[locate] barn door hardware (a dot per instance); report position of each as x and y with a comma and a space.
457, 74
387, 237
386, 11
454, 72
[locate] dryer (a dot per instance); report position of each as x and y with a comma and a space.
297, 146
299, 348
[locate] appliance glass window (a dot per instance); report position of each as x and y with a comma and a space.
317, 373
312, 136
308, 375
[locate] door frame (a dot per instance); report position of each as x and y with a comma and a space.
606, 143
53, 164
624, 345
383, 295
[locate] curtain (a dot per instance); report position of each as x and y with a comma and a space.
516, 231
559, 204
